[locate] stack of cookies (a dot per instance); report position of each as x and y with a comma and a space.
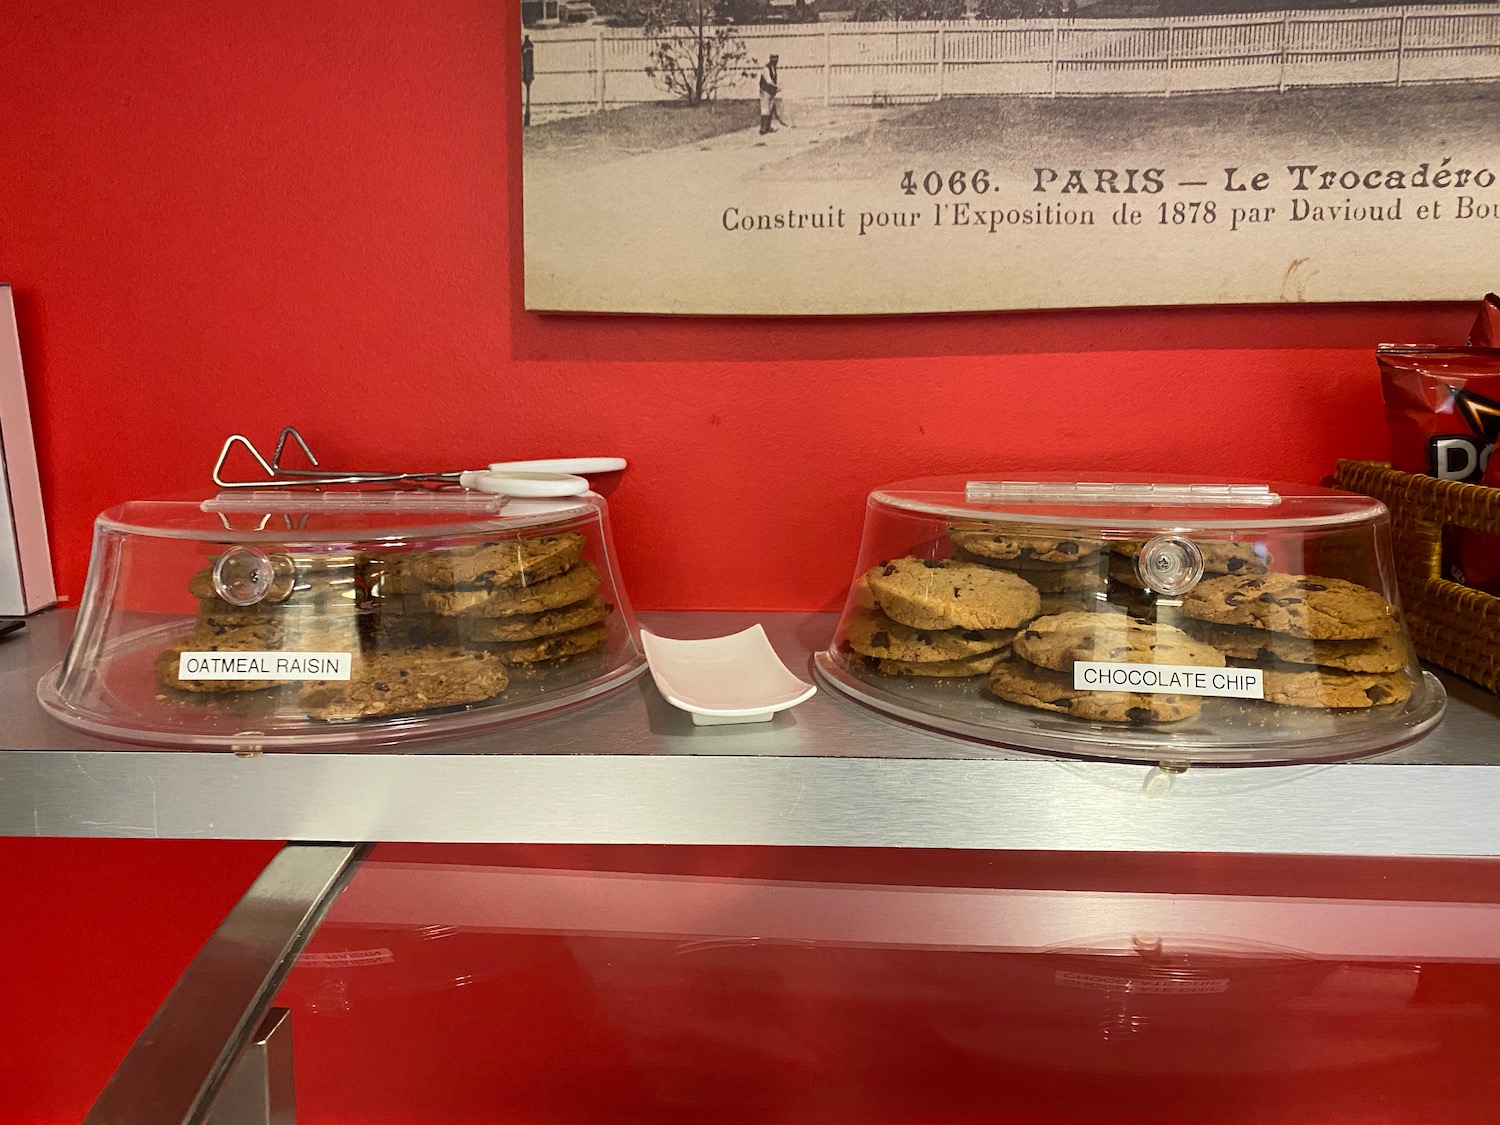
313, 604
426, 629
527, 601
1022, 608
1040, 674
1320, 642
1069, 572
937, 617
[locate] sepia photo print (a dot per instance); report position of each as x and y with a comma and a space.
772, 157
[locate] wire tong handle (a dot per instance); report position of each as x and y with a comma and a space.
545, 478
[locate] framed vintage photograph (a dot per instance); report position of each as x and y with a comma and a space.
886, 156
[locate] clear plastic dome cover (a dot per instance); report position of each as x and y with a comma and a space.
1156, 621
259, 619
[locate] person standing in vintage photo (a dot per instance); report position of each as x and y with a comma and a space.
768, 94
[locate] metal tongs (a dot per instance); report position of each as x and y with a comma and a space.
546, 478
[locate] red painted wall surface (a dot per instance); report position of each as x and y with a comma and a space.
221, 216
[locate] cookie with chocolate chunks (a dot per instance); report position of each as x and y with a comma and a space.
943, 669
1300, 605
1017, 681
947, 594
1293, 686
1375, 654
992, 541
870, 632
1059, 642
510, 563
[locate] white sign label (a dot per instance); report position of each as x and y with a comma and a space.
264, 666
1173, 679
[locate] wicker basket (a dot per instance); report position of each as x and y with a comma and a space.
1452, 626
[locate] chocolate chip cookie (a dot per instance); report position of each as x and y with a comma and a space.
1301, 605
554, 647
1017, 681
1327, 688
1220, 556
871, 633
1057, 642
570, 586
1069, 601
531, 626
1377, 654
993, 541
511, 562
976, 665
1051, 579
946, 594
1123, 572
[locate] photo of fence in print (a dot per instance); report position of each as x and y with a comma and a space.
896, 63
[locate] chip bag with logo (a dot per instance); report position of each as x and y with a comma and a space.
1443, 408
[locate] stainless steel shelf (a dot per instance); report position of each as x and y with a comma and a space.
632, 769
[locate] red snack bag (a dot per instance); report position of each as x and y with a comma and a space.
1443, 408
1486, 330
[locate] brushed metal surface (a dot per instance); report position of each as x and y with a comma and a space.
261, 1089
633, 769
178, 1067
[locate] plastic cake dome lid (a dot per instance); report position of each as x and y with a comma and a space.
257, 620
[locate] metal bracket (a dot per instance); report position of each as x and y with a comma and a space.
261, 1090
188, 1056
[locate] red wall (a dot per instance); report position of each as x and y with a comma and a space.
225, 216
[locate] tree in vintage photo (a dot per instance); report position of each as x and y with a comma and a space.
693, 51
